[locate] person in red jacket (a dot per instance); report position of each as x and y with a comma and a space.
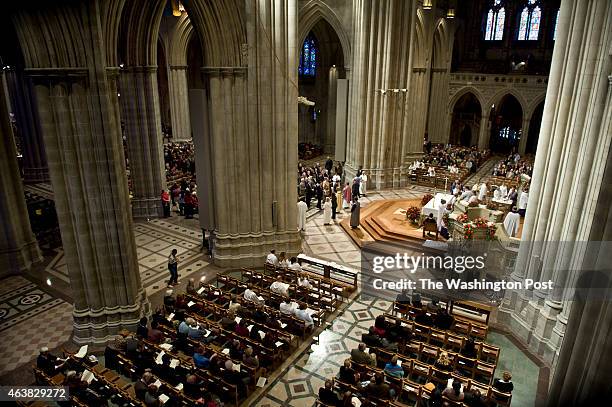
165, 198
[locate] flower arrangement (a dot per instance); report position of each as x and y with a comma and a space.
463, 218
413, 214
426, 198
480, 222
468, 231
491, 232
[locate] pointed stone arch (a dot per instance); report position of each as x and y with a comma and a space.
497, 98
179, 41
468, 89
420, 58
314, 11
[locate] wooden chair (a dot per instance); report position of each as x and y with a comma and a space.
430, 227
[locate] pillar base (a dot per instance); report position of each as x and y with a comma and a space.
250, 250
17, 260
100, 326
147, 208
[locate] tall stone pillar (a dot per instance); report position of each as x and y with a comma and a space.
484, 132
524, 134
330, 132
18, 245
251, 130
572, 152
77, 105
179, 102
379, 134
23, 106
140, 113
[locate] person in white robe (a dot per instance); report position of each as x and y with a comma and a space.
511, 222
252, 296
441, 212
497, 194
279, 287
482, 194
362, 183
327, 212
287, 307
304, 282
302, 208
294, 265
523, 199
431, 171
503, 190
271, 259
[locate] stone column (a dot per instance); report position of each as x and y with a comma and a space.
140, 113
379, 134
524, 134
484, 132
18, 245
77, 105
251, 128
330, 133
23, 106
568, 175
179, 102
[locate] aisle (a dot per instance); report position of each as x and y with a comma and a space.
483, 171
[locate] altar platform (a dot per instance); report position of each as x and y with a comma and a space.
385, 221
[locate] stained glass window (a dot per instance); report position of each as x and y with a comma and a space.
496, 17
308, 57
529, 23
556, 25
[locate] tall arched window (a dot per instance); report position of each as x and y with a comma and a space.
556, 25
496, 17
529, 23
308, 58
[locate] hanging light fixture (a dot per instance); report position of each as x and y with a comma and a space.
427, 5
176, 8
450, 13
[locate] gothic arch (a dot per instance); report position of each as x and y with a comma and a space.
463, 91
310, 14
420, 58
497, 98
535, 103
139, 32
441, 45
179, 40
222, 30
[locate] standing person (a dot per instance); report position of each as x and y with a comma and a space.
165, 198
327, 211
346, 195
363, 179
302, 208
319, 194
188, 204
355, 188
334, 204
329, 164
338, 198
355, 212
523, 199
173, 268
181, 202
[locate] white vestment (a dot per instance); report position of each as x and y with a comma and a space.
523, 200
441, 212
302, 208
504, 191
327, 212
511, 223
497, 194
362, 184
295, 267
280, 288
483, 192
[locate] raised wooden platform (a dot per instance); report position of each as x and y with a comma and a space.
381, 221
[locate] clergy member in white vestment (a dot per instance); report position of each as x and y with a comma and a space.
503, 191
272, 259
511, 222
327, 212
441, 212
294, 265
497, 194
302, 208
482, 194
304, 282
250, 295
362, 183
287, 307
523, 198
279, 287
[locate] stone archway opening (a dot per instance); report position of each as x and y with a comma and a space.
506, 124
320, 65
465, 121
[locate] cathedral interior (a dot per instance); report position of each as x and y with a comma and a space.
205, 202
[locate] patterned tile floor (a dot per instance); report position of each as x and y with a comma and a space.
154, 240
28, 311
